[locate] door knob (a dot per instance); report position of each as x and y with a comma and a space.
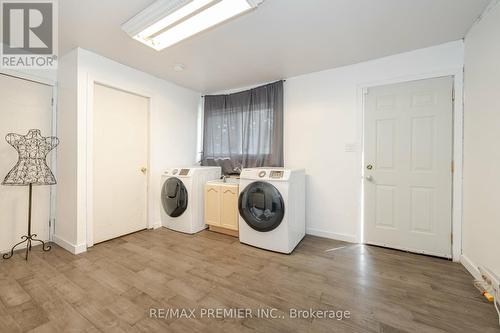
369, 178
144, 170
369, 166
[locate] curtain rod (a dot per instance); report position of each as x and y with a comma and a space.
250, 88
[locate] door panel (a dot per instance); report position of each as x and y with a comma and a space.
229, 211
422, 132
422, 209
120, 151
212, 205
385, 143
384, 206
408, 155
24, 105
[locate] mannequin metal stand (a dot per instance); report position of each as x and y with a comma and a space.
29, 237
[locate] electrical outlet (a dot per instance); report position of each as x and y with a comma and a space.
490, 279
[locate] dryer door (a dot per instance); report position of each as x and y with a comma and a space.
174, 197
261, 206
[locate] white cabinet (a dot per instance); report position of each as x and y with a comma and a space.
221, 207
229, 215
212, 204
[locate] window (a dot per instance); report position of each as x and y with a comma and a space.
244, 129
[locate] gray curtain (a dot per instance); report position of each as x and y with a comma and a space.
245, 129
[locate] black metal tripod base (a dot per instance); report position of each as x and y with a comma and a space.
27, 239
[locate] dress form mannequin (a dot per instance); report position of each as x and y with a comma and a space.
31, 169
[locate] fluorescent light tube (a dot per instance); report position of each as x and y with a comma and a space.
210, 17
168, 22
178, 15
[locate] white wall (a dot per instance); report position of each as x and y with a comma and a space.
481, 136
173, 128
67, 129
323, 114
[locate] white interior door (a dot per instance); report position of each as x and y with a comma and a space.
408, 166
24, 105
120, 157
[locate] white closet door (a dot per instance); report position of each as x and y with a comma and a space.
120, 154
24, 105
408, 175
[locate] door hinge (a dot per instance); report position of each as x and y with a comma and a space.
451, 238
52, 101
453, 95
452, 166
50, 223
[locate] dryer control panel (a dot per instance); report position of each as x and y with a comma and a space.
274, 174
266, 174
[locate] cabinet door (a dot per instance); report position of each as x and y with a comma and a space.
229, 210
212, 205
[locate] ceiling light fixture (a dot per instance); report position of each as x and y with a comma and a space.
167, 22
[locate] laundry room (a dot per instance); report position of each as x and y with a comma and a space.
249, 166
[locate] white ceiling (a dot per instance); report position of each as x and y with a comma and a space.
282, 38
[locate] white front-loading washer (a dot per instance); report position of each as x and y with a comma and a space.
182, 197
272, 208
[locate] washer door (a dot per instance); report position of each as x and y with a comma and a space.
261, 206
174, 197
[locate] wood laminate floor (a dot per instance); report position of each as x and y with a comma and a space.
112, 287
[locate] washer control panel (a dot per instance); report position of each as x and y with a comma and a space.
179, 172
275, 174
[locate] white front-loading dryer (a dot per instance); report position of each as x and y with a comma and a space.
272, 208
182, 197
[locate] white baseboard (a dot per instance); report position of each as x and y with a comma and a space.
331, 235
75, 249
156, 225
470, 266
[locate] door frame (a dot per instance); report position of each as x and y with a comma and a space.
88, 210
53, 156
457, 181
